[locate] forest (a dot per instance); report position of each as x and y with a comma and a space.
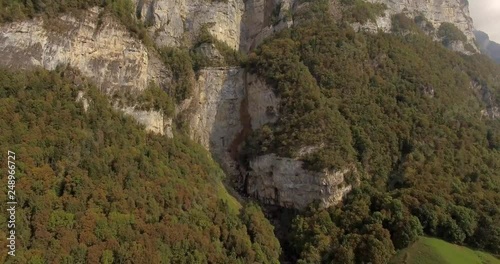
93, 187
402, 108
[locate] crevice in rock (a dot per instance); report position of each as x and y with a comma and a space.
234, 147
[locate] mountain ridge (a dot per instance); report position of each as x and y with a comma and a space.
487, 46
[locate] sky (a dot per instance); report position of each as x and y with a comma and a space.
486, 16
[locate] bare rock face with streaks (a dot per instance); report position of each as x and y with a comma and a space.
214, 110
153, 121
242, 25
262, 19
283, 181
177, 23
103, 51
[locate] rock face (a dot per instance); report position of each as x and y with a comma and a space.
436, 11
283, 181
240, 24
105, 52
177, 23
263, 105
227, 103
214, 110
483, 92
263, 18
153, 121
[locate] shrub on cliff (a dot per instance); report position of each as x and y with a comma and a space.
449, 33
179, 62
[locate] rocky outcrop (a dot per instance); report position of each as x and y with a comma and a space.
80, 98
483, 92
491, 112
101, 48
153, 121
263, 104
282, 181
436, 11
227, 103
262, 19
214, 119
177, 23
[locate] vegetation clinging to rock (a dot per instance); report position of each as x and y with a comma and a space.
93, 186
407, 117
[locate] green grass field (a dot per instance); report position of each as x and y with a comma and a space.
435, 251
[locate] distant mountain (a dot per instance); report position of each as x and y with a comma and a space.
488, 47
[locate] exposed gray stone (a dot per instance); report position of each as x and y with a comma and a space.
483, 92
263, 105
282, 181
177, 23
209, 51
105, 52
153, 121
81, 98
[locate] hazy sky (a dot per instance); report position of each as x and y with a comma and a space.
486, 15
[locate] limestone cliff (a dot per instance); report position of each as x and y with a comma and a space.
99, 47
263, 18
153, 121
214, 119
240, 24
263, 104
177, 23
283, 181
227, 103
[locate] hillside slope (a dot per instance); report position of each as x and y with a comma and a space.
435, 251
356, 141
411, 115
93, 187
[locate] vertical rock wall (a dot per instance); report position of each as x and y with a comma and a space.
100, 48
178, 22
104, 51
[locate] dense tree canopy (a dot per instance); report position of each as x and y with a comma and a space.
93, 187
404, 110
400, 107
